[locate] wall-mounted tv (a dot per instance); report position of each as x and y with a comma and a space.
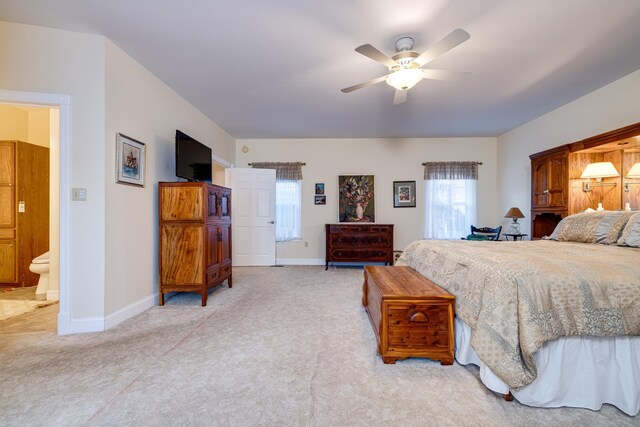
193, 159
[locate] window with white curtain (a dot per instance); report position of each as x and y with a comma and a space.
288, 210
450, 199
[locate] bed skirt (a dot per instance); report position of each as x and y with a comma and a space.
582, 372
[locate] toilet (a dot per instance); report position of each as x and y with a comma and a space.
40, 265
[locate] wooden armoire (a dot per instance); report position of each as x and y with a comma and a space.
195, 237
24, 210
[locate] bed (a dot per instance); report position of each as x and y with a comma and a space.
556, 323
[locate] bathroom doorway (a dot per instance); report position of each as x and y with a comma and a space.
42, 120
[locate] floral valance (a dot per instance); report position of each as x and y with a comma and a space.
285, 171
451, 170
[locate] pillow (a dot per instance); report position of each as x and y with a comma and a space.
591, 227
631, 233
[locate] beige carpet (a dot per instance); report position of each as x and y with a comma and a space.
285, 346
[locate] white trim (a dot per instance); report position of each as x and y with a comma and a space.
129, 311
66, 324
299, 261
82, 325
221, 161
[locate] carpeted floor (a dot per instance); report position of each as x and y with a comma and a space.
285, 346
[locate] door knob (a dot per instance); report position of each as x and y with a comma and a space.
272, 222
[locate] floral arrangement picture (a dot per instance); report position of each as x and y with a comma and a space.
356, 198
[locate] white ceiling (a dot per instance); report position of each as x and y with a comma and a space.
274, 69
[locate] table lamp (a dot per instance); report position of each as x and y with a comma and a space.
514, 213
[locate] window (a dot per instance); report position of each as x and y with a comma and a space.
288, 210
450, 199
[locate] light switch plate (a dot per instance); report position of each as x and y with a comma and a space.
21, 207
79, 194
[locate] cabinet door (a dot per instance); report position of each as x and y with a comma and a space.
213, 245
225, 204
225, 242
213, 203
557, 181
7, 184
181, 252
539, 172
7, 261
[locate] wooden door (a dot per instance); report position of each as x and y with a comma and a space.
7, 261
213, 203
253, 214
539, 172
557, 181
181, 253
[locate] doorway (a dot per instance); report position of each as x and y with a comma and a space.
59, 219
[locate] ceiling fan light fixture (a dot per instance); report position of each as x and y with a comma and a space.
405, 78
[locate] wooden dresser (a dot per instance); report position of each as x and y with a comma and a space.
410, 315
359, 243
195, 237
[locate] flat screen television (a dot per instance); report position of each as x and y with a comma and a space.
193, 159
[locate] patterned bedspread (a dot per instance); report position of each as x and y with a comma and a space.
518, 295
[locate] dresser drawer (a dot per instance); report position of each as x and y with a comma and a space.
417, 326
212, 274
225, 270
354, 240
366, 228
360, 255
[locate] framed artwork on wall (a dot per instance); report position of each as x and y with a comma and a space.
130, 161
404, 194
320, 199
320, 188
356, 198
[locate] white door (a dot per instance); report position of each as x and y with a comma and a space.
253, 215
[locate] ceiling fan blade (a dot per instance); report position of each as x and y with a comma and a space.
365, 84
373, 53
456, 37
399, 97
442, 74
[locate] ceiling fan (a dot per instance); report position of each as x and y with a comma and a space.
405, 67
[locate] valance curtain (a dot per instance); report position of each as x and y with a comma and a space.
288, 198
451, 170
450, 199
285, 171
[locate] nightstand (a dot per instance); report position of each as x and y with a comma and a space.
514, 236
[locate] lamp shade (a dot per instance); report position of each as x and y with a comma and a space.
634, 172
514, 213
599, 170
405, 78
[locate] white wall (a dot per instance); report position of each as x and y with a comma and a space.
389, 160
608, 108
142, 107
46, 60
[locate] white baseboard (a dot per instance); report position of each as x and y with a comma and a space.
299, 261
129, 311
67, 325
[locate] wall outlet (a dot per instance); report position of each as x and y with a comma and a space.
79, 194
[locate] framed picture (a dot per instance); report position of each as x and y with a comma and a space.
130, 161
319, 188
404, 194
356, 198
320, 199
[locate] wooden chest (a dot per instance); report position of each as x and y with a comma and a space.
411, 316
359, 243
